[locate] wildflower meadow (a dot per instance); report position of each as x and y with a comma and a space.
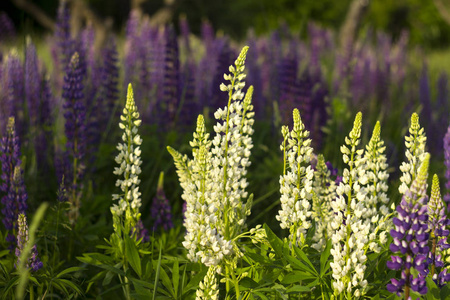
159, 164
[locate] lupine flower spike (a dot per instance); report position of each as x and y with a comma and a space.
324, 191
415, 152
15, 199
437, 224
410, 235
214, 180
351, 229
22, 239
296, 181
75, 129
126, 211
376, 201
208, 288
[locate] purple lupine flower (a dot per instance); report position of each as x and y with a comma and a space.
13, 83
160, 211
140, 232
33, 262
44, 139
447, 164
437, 224
32, 84
410, 235
64, 41
75, 130
7, 28
441, 107
254, 77
132, 49
14, 199
61, 194
171, 84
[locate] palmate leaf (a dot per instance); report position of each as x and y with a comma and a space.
132, 255
275, 242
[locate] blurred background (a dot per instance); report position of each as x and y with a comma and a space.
427, 21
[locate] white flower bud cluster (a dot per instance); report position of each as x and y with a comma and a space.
351, 228
415, 153
129, 162
213, 182
296, 181
324, 193
208, 288
377, 200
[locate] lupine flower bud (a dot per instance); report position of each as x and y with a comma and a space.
437, 225
22, 239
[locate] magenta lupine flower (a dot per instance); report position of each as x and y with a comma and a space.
160, 211
33, 262
410, 245
15, 197
447, 164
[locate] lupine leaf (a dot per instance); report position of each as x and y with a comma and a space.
133, 255
298, 288
324, 261
275, 242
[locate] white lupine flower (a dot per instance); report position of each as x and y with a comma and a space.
377, 188
296, 181
208, 288
129, 161
415, 153
214, 181
350, 237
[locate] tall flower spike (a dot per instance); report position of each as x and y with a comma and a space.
296, 182
129, 161
410, 237
22, 239
213, 181
75, 129
415, 151
377, 200
351, 229
324, 192
14, 200
437, 225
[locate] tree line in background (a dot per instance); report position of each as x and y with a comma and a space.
428, 21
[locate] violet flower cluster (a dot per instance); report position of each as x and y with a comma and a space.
75, 130
15, 197
410, 234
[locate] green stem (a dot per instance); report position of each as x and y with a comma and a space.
56, 234
236, 285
